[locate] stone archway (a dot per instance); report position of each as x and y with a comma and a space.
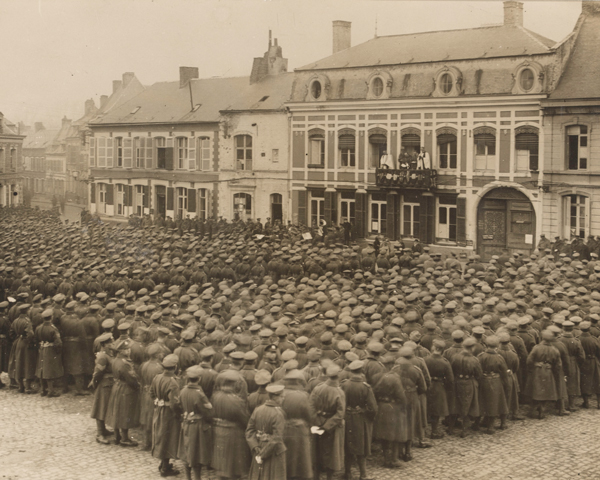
505, 220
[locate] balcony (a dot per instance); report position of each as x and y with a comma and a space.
406, 179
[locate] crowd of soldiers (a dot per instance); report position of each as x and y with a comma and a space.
272, 357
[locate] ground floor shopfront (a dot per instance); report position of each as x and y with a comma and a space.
485, 219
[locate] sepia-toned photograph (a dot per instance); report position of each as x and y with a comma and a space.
299, 239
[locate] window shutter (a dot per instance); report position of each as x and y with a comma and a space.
127, 152
191, 200
110, 194
92, 193
149, 154
205, 154
346, 141
170, 197
192, 153
92, 152
169, 158
102, 152
141, 148
130, 190
461, 221
109, 152
446, 138
146, 197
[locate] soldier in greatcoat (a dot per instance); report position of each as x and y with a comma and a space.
328, 401
102, 383
264, 435
590, 369
166, 425
361, 408
493, 386
22, 361
49, 364
576, 357
150, 369
195, 440
299, 418
442, 386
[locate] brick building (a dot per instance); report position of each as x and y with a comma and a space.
472, 98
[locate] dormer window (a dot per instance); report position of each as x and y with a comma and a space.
377, 86
526, 79
316, 89
448, 82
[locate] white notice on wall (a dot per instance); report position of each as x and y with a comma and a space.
528, 238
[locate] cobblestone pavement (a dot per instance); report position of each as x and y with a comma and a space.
54, 438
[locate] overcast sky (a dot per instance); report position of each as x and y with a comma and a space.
57, 53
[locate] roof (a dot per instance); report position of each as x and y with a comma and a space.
166, 102
40, 139
440, 46
581, 74
270, 93
123, 94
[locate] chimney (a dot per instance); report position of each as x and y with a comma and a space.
127, 77
513, 13
590, 8
117, 84
39, 126
186, 74
90, 107
271, 63
66, 121
103, 100
341, 35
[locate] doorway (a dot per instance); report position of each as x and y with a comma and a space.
161, 202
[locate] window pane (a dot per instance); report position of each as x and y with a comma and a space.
443, 216
583, 141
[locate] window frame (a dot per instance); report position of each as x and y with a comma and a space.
119, 152
489, 158
313, 138
237, 200
244, 163
182, 153
347, 155
567, 208
582, 163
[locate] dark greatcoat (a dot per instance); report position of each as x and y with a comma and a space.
22, 363
466, 389
493, 385
328, 401
149, 370
389, 422
166, 425
441, 391
195, 440
544, 373
576, 358
265, 433
590, 369
361, 408
5, 343
231, 455
49, 364
123, 409
512, 363
299, 418
103, 382
73, 336
414, 385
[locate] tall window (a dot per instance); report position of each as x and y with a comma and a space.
13, 160
317, 207
161, 152
447, 150
182, 152
347, 207
411, 219
139, 200
202, 204
2, 160
378, 213
102, 188
139, 149
377, 147
576, 216
526, 149
347, 149
182, 202
243, 152
242, 204
119, 151
204, 154
120, 200
577, 147
447, 218
316, 145
485, 150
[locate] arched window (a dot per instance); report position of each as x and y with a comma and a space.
377, 146
242, 206
243, 152
485, 148
316, 145
446, 143
276, 207
526, 149
576, 217
347, 148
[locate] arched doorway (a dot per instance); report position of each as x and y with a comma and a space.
276, 207
505, 220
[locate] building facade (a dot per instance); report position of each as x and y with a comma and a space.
12, 179
470, 98
34, 153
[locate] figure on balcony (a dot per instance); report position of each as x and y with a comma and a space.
404, 160
386, 161
423, 160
